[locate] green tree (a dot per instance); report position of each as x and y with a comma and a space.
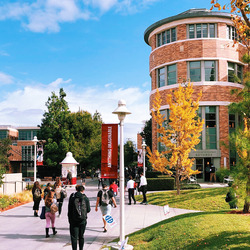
4, 154
130, 155
54, 130
146, 133
241, 138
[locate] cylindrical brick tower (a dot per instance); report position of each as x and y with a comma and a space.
197, 45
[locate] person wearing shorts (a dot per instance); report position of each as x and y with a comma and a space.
105, 208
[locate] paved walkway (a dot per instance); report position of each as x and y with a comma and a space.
19, 229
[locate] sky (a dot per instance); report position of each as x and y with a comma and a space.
93, 49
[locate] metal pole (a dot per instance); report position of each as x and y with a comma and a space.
35, 163
122, 201
144, 168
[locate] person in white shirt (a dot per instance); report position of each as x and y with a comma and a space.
131, 190
143, 188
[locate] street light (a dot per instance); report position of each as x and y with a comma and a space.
35, 141
144, 152
122, 111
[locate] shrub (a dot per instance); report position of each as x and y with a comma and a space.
156, 184
221, 173
153, 174
190, 186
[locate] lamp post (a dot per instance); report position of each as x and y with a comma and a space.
122, 111
35, 141
144, 152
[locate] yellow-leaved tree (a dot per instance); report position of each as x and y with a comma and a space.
179, 136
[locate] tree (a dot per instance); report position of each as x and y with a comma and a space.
54, 130
64, 131
4, 155
241, 23
241, 139
130, 155
179, 136
146, 134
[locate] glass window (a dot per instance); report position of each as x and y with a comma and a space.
191, 31
159, 40
165, 37
173, 34
210, 123
161, 77
234, 72
168, 36
204, 30
199, 145
231, 72
239, 72
171, 74
198, 30
210, 72
211, 30
195, 71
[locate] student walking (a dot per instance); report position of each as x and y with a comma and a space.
60, 194
104, 199
114, 188
77, 215
50, 210
36, 193
131, 189
46, 190
143, 188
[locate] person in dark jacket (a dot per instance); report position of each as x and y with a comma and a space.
69, 177
77, 224
36, 192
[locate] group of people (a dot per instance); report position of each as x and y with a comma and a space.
79, 205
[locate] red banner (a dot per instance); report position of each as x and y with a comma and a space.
109, 151
140, 158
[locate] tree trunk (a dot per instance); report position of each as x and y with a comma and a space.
177, 182
247, 202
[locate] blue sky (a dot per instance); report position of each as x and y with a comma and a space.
94, 49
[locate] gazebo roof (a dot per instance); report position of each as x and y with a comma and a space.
69, 159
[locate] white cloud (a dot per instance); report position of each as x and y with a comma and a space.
5, 79
47, 15
25, 107
3, 53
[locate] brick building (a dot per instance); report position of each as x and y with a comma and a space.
197, 45
22, 148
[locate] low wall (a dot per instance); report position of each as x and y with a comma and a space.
12, 183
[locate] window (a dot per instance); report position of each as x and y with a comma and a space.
199, 115
166, 75
166, 36
195, 71
202, 30
231, 33
235, 72
210, 122
27, 135
3, 134
202, 71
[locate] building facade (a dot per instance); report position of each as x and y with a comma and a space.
198, 46
22, 148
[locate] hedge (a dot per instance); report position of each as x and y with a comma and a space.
153, 174
156, 184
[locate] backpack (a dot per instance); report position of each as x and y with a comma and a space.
105, 198
53, 208
37, 194
79, 208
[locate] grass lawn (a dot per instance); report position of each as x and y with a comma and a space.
209, 230
207, 199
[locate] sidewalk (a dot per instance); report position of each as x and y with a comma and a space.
21, 230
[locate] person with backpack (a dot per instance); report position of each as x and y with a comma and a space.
105, 198
46, 190
60, 194
78, 208
36, 193
50, 212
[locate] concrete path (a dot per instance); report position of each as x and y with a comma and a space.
19, 229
